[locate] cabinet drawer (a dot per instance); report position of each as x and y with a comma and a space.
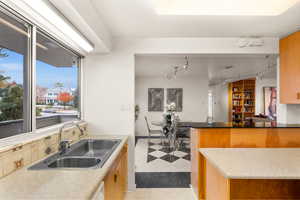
71, 135
16, 158
35, 151
46, 150
51, 140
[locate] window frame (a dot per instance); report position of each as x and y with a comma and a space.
30, 77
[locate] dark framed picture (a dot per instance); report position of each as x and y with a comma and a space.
155, 99
175, 95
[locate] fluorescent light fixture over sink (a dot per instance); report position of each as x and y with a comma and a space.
44, 10
223, 7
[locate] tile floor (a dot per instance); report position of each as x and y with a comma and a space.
154, 157
161, 194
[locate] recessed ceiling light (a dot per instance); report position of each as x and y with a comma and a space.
223, 7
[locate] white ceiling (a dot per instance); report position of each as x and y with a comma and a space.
137, 18
212, 66
83, 15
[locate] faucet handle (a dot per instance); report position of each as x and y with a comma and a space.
66, 141
64, 144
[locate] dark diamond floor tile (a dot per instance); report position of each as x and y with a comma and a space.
166, 150
187, 157
150, 150
169, 158
150, 158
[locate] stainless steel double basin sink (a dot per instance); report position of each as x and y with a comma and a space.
87, 153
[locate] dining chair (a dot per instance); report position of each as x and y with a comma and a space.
152, 132
183, 138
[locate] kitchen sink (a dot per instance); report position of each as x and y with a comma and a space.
92, 148
87, 153
70, 162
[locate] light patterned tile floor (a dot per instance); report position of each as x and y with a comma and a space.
158, 165
161, 194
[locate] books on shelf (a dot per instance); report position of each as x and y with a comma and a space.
242, 100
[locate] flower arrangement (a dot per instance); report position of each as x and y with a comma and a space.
171, 107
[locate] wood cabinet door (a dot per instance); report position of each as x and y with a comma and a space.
290, 69
115, 182
118, 181
123, 173
110, 185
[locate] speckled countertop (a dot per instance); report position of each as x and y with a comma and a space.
255, 163
57, 184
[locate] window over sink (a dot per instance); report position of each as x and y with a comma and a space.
39, 77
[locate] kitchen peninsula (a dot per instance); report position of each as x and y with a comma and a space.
252, 173
227, 135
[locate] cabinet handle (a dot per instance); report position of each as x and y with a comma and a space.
48, 138
298, 95
48, 150
115, 178
19, 163
17, 148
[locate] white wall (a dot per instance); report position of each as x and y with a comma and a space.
195, 90
293, 114
109, 79
109, 99
220, 102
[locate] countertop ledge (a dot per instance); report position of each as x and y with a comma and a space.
58, 184
255, 163
231, 125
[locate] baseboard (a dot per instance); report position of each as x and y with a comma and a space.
194, 193
131, 188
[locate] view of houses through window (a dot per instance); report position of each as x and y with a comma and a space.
57, 83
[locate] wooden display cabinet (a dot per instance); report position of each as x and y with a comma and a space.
241, 100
